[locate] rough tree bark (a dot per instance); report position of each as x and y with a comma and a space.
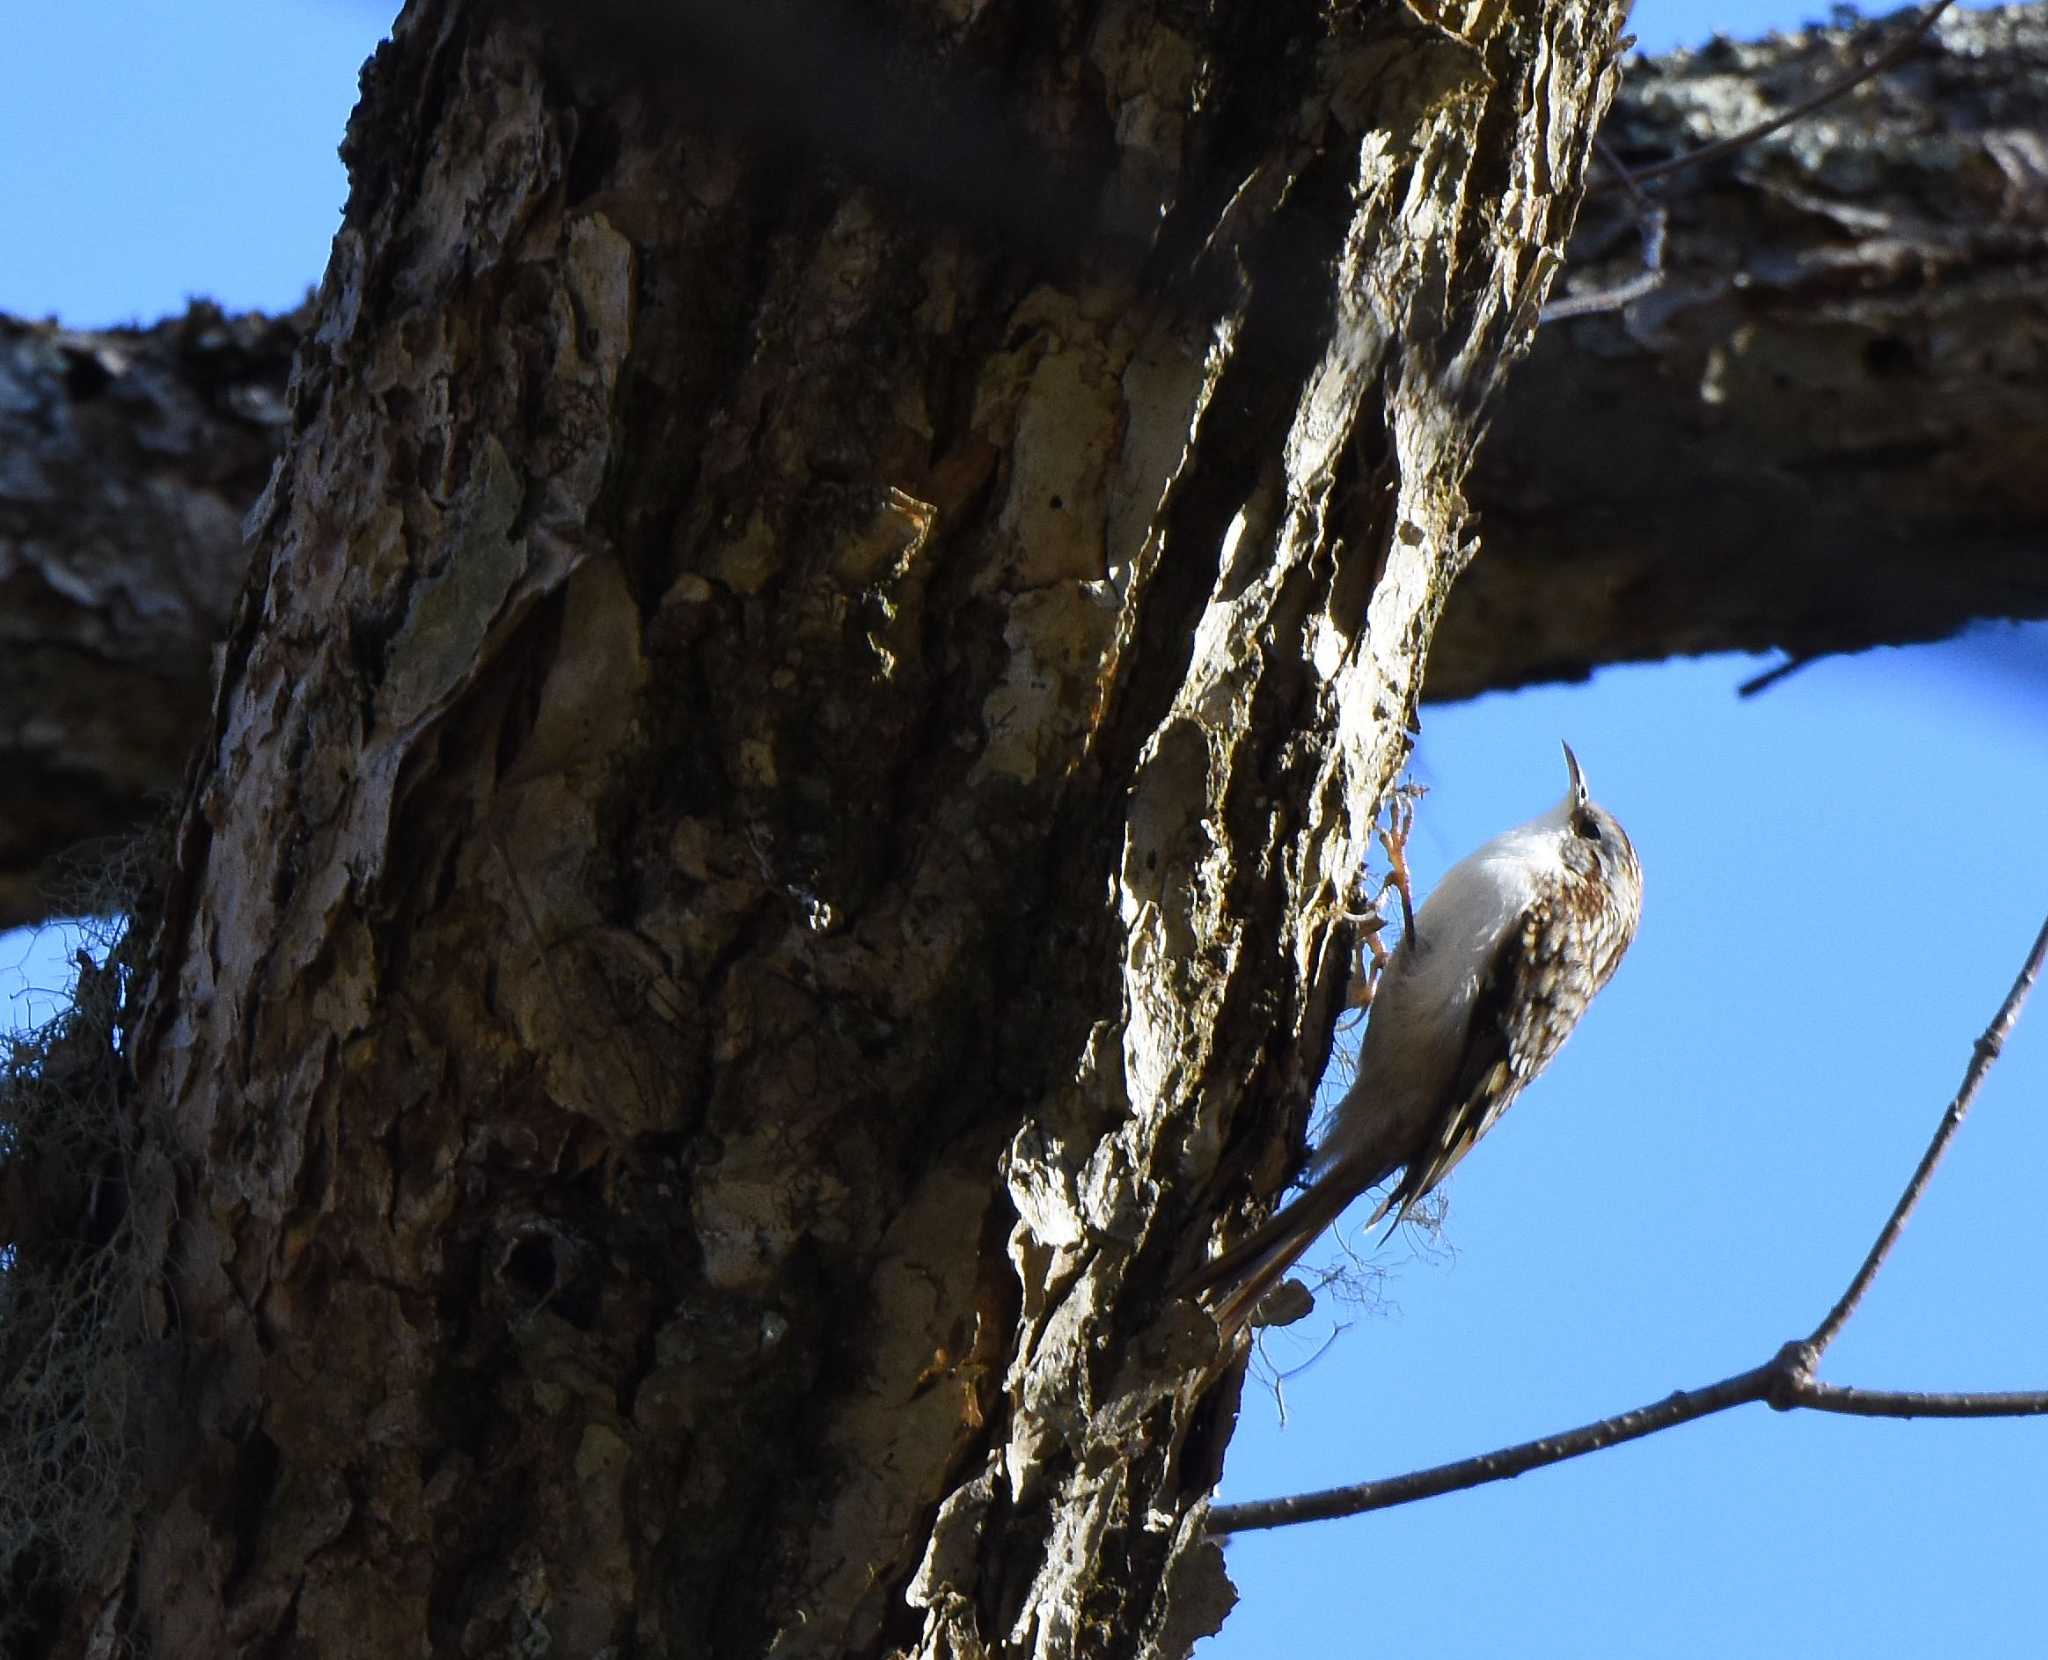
783, 807
1822, 433
1819, 434
1825, 430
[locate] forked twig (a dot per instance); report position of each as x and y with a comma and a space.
1786, 1381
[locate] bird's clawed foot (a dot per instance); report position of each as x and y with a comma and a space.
1394, 830
1367, 980
1393, 836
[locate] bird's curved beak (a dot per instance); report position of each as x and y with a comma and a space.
1571, 762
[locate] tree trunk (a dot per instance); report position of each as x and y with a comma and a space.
784, 807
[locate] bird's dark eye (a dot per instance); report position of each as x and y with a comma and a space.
1586, 825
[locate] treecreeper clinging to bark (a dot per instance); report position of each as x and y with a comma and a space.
1483, 988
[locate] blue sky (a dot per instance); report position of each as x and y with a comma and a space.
1842, 877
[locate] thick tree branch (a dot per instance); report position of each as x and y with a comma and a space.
1819, 433
1822, 430
1800, 108
1786, 1381
131, 456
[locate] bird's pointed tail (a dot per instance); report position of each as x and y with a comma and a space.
1235, 1283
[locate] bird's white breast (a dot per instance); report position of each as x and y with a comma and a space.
1415, 1037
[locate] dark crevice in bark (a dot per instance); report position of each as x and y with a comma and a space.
1253, 399
255, 1478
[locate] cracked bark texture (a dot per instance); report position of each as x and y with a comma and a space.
1825, 430
1821, 434
781, 815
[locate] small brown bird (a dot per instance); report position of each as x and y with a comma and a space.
1482, 990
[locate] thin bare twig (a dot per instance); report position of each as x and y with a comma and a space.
1804, 107
1909, 1403
1651, 278
1651, 215
1502, 1465
1652, 222
1981, 1057
1785, 1382
1774, 674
